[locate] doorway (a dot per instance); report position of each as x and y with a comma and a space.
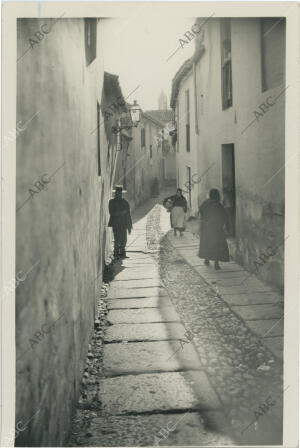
188, 182
228, 183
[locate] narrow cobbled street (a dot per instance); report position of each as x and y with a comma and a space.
150, 294
172, 361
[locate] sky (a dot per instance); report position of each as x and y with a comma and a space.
137, 48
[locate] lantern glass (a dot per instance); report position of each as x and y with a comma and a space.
135, 112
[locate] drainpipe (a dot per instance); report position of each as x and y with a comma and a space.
195, 98
117, 152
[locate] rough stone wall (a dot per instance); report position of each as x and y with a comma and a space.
260, 230
61, 228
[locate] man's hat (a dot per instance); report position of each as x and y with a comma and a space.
119, 189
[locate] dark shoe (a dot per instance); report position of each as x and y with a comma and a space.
124, 255
206, 262
217, 266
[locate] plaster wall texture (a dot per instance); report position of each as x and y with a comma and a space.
62, 228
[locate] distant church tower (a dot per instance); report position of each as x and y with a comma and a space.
162, 101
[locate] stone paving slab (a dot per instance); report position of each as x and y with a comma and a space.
264, 328
122, 293
134, 264
142, 283
193, 260
131, 259
135, 274
145, 332
186, 428
143, 357
143, 315
258, 312
148, 302
219, 275
254, 284
137, 256
203, 270
189, 249
155, 392
275, 344
242, 289
255, 298
249, 284
131, 262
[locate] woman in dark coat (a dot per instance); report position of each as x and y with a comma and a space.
213, 244
177, 204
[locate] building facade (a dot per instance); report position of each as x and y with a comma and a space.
229, 102
145, 162
60, 229
165, 139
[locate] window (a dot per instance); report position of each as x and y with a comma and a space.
272, 52
150, 151
189, 183
98, 138
228, 181
226, 74
187, 115
90, 31
143, 137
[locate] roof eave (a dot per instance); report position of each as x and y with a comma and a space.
183, 71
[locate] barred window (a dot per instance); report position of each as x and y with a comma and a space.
226, 66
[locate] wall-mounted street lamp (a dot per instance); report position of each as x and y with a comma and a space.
135, 114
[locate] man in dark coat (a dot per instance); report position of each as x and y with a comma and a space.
213, 244
120, 221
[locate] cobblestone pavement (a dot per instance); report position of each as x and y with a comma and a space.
173, 365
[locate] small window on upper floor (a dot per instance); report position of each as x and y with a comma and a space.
272, 52
226, 69
187, 118
143, 137
90, 32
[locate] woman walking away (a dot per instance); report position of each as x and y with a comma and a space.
177, 205
213, 244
